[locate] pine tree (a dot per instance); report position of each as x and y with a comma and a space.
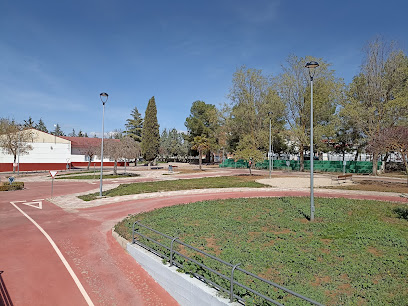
80, 134
86, 135
150, 132
73, 134
29, 123
134, 125
41, 126
57, 131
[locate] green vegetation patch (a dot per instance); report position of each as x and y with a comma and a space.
355, 253
374, 185
97, 176
6, 186
201, 183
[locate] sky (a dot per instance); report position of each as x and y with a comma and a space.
56, 57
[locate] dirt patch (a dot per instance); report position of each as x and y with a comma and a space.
375, 185
211, 244
374, 251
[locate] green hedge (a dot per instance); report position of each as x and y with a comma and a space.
14, 186
319, 165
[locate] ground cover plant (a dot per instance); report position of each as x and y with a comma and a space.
6, 186
200, 183
355, 253
374, 185
97, 176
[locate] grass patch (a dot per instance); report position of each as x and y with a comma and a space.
355, 253
200, 183
105, 176
374, 185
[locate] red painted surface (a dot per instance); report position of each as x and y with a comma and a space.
8, 167
97, 164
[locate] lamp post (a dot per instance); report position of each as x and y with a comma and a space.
270, 144
104, 98
312, 69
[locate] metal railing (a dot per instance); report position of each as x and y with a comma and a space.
172, 259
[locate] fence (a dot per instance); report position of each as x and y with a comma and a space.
221, 276
318, 165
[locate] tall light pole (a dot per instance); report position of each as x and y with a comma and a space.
104, 98
270, 143
312, 69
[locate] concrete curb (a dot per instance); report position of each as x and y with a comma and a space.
184, 289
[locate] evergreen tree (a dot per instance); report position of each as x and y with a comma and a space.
80, 134
29, 123
134, 126
150, 132
57, 131
86, 135
41, 126
73, 134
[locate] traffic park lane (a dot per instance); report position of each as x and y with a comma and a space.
35, 275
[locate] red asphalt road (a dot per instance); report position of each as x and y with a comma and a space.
34, 274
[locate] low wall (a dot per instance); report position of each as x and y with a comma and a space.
184, 289
8, 167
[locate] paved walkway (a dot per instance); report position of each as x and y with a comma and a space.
34, 274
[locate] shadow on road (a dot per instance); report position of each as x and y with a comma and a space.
5, 299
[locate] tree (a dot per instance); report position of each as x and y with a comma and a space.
86, 135
80, 134
150, 133
293, 86
172, 143
29, 123
200, 143
203, 121
14, 139
378, 95
73, 134
391, 139
90, 149
57, 131
130, 148
134, 125
113, 150
252, 97
41, 126
247, 150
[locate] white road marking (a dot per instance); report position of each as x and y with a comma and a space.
60, 255
34, 203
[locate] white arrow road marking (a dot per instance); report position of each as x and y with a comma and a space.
60, 255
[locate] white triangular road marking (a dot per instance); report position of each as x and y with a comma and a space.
36, 204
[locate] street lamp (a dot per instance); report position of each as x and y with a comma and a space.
104, 98
270, 155
312, 69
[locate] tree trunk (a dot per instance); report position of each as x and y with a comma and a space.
89, 164
375, 159
302, 158
404, 158
115, 168
199, 158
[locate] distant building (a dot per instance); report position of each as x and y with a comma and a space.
54, 153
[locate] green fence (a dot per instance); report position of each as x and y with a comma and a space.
294, 165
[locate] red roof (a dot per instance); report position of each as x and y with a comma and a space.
81, 142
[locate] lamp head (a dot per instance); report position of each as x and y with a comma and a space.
312, 68
104, 97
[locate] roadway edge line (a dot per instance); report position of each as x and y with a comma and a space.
60, 255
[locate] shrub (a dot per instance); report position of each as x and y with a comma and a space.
14, 186
402, 212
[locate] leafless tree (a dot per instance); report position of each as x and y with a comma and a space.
14, 139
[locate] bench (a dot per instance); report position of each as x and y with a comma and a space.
342, 177
155, 168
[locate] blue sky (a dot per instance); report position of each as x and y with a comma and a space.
56, 57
